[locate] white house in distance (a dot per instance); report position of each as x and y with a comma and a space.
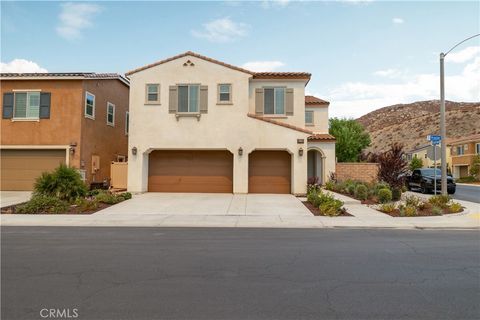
201, 125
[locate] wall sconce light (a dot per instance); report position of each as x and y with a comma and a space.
71, 150
240, 151
134, 151
300, 152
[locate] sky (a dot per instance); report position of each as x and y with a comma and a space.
363, 55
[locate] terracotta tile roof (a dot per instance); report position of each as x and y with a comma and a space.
67, 75
312, 101
466, 139
255, 75
321, 137
279, 123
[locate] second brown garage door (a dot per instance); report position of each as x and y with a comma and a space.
190, 171
269, 172
20, 168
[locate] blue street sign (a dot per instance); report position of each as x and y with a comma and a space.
435, 142
434, 139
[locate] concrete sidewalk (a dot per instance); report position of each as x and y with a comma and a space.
236, 214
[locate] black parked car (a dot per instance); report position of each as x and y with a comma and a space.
422, 179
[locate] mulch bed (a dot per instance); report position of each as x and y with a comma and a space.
314, 210
73, 210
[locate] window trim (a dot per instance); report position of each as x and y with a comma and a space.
188, 98
284, 114
112, 124
93, 107
27, 91
229, 102
477, 149
127, 122
153, 102
460, 147
310, 124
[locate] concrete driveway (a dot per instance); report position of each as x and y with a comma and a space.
8, 198
210, 204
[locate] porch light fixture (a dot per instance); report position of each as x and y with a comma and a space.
72, 147
240, 151
300, 152
134, 151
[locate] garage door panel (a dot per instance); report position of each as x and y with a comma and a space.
269, 172
190, 171
20, 168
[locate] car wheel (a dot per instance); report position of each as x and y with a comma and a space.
423, 188
451, 191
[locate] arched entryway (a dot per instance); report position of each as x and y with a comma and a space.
315, 165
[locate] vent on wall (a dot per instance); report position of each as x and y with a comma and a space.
188, 64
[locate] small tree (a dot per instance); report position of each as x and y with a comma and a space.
392, 166
351, 139
475, 169
416, 163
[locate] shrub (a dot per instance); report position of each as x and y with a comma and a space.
416, 163
126, 195
437, 211
392, 166
351, 189
313, 183
64, 183
384, 195
475, 167
408, 211
424, 205
331, 208
86, 205
439, 201
93, 192
387, 207
379, 186
412, 201
330, 185
396, 194
43, 204
361, 192
106, 197
466, 179
455, 207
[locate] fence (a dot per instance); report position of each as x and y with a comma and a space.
360, 171
118, 175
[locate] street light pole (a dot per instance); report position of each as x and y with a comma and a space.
443, 129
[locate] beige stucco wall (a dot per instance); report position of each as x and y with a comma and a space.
327, 149
223, 127
320, 119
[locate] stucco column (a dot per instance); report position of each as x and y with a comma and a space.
299, 172
240, 172
138, 164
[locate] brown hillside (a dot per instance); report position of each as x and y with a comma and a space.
411, 123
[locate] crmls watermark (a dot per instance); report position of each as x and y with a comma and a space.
57, 313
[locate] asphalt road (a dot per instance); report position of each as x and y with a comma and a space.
468, 193
170, 273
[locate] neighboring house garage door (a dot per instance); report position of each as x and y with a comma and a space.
269, 172
20, 168
190, 171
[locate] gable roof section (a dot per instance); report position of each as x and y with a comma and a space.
312, 101
321, 137
255, 75
64, 76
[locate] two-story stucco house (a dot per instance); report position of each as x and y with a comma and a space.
201, 125
77, 119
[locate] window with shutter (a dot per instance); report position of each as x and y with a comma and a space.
26, 105
274, 101
188, 98
8, 102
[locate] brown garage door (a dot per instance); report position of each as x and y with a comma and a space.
20, 168
269, 172
190, 171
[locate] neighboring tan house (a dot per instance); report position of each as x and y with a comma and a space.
78, 119
463, 151
427, 155
201, 125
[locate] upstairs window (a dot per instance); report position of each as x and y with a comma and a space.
188, 98
309, 118
460, 150
274, 101
27, 105
110, 114
89, 105
224, 93
153, 93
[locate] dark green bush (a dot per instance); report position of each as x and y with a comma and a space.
361, 192
396, 194
351, 189
379, 186
64, 183
384, 195
126, 195
325, 202
43, 204
106, 197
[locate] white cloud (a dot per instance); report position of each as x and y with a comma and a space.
262, 65
222, 30
21, 66
464, 55
74, 18
353, 99
390, 73
398, 20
